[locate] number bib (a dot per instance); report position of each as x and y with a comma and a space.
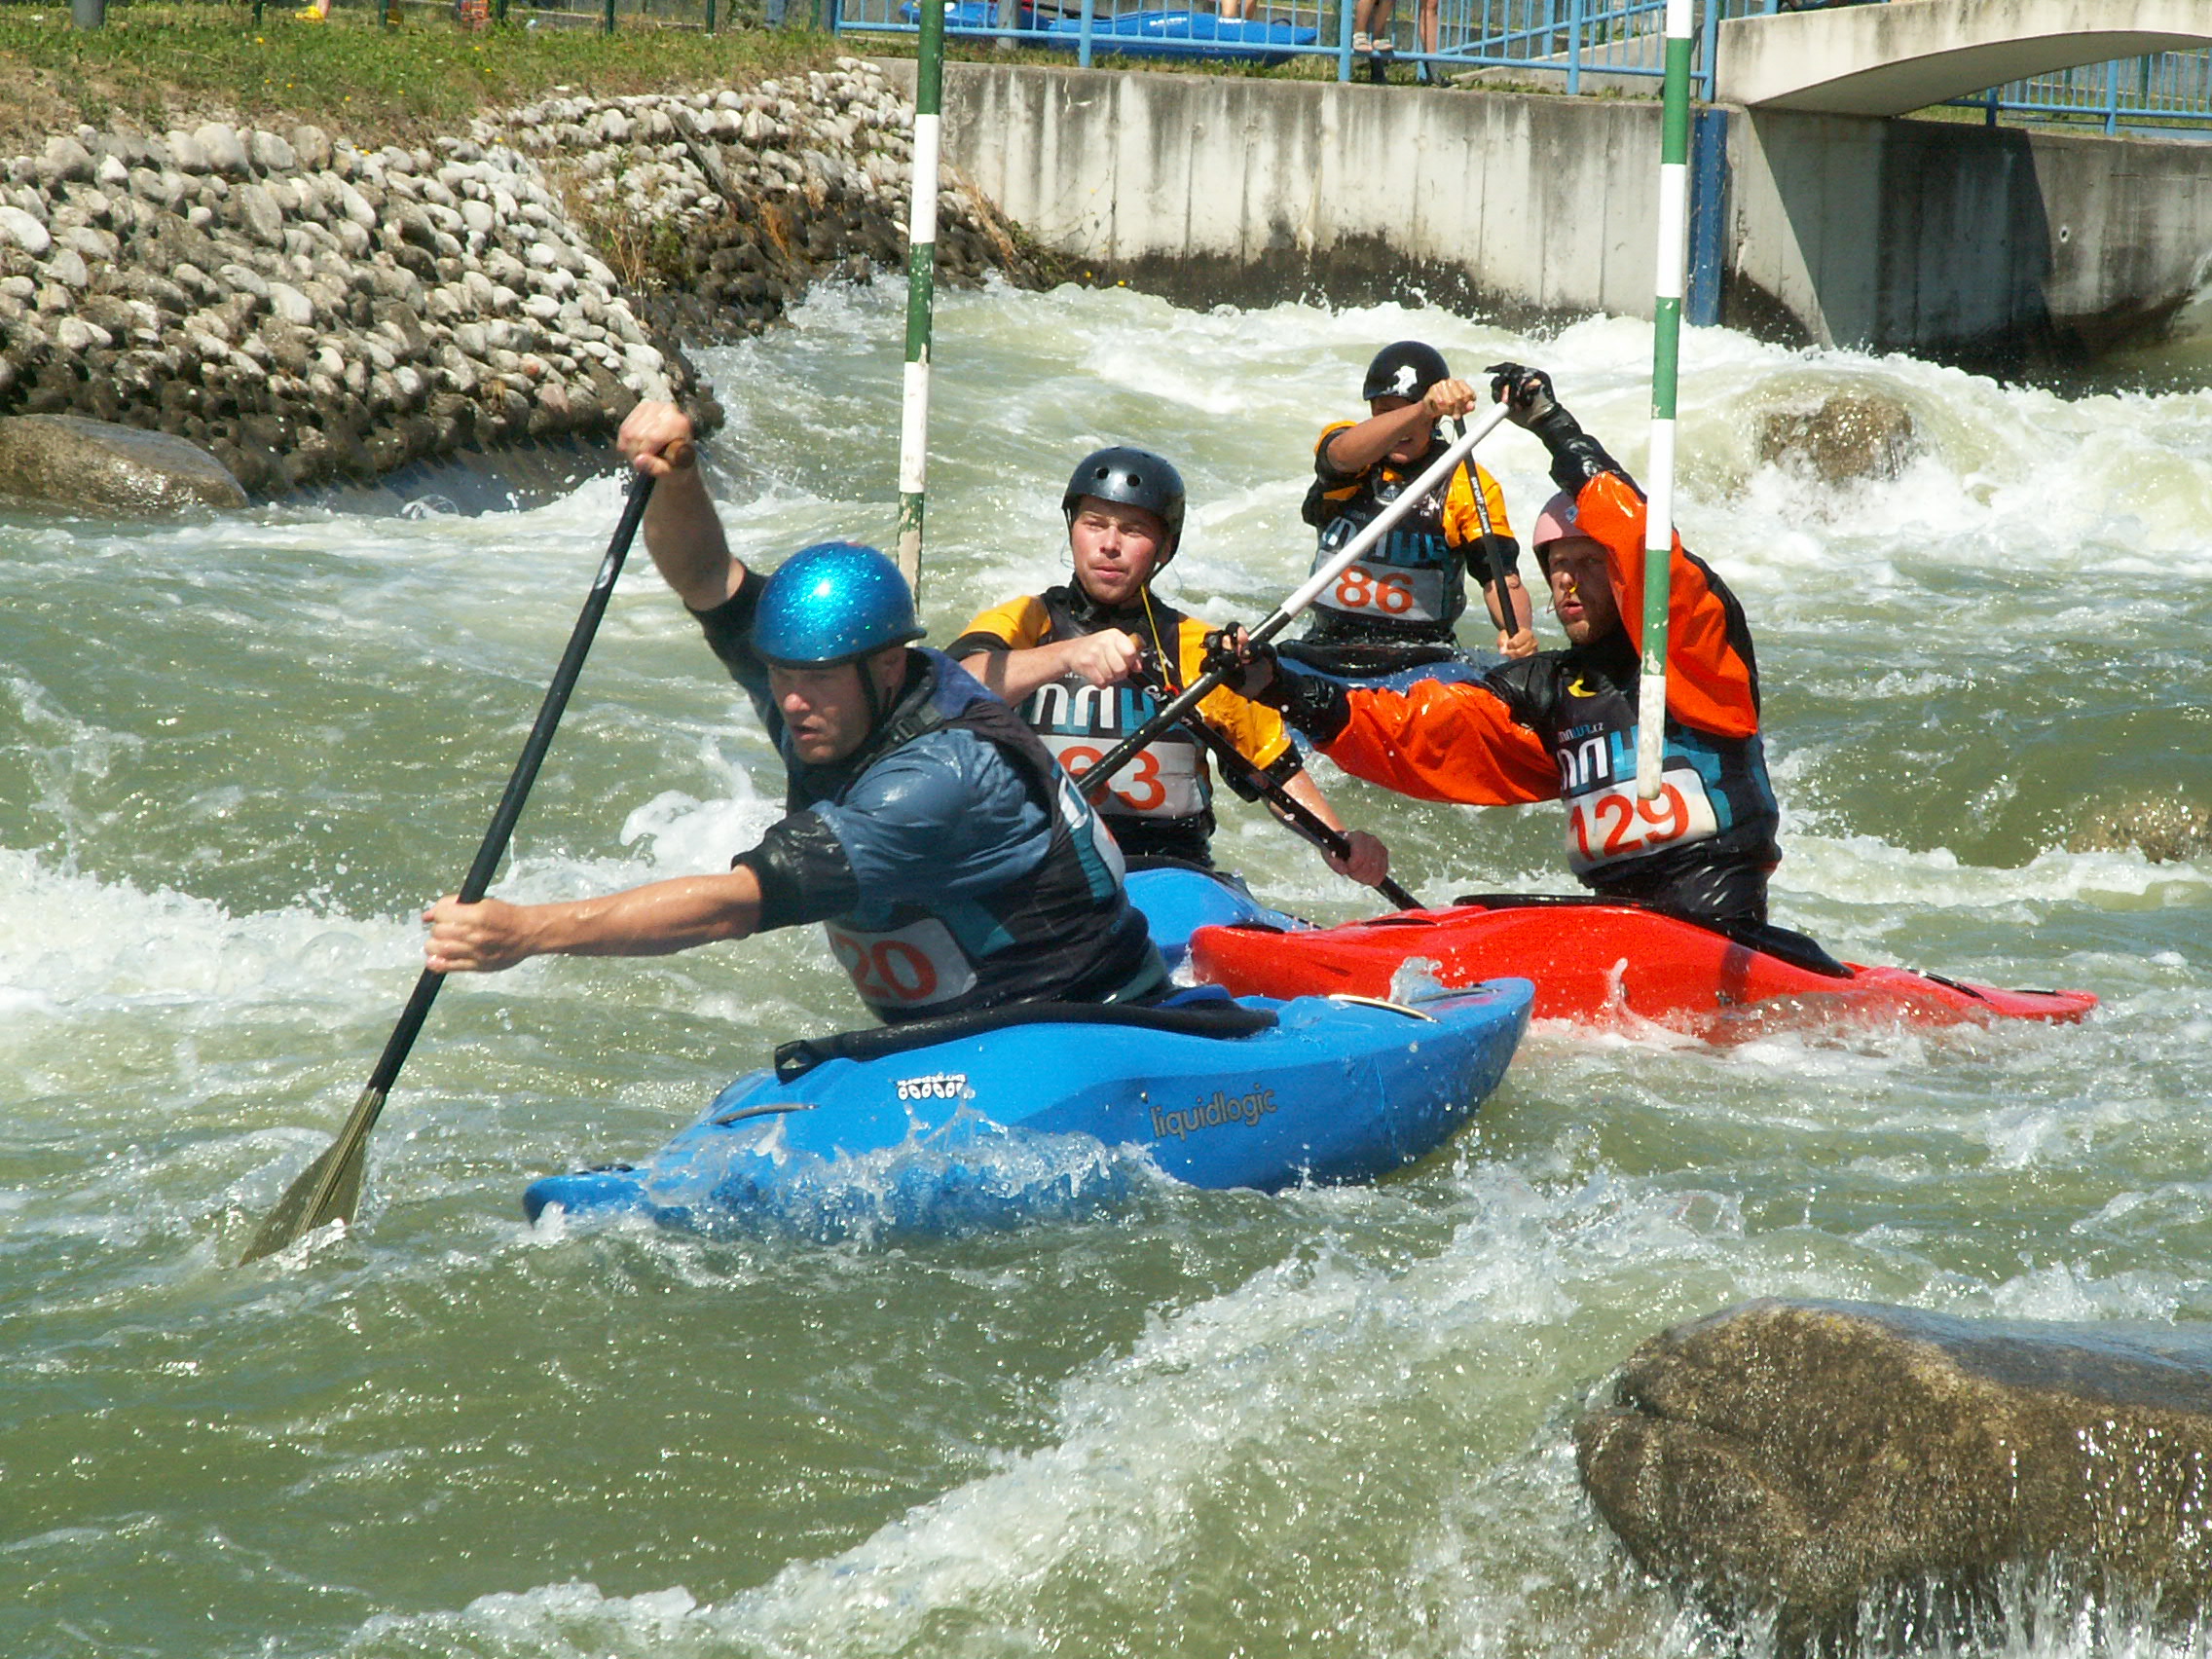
906, 968
1607, 826
1161, 781
1388, 591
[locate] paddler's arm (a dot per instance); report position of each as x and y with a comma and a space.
1369, 862
1712, 681
653, 920
1449, 742
1104, 658
1359, 446
683, 534
1011, 650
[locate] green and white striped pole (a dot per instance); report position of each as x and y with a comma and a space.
921, 286
1666, 350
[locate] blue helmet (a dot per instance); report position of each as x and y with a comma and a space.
833, 602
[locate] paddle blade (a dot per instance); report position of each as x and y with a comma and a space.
328, 1190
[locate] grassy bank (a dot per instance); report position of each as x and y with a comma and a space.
162, 66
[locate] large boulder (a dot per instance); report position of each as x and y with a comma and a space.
2164, 827
98, 467
1850, 433
1824, 1463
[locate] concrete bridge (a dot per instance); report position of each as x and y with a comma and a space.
1907, 55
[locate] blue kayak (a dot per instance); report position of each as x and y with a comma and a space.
1053, 1110
1343, 665
1178, 898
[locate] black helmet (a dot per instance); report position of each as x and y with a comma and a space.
1406, 370
1136, 478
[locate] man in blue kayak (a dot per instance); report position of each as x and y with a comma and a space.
1091, 661
952, 863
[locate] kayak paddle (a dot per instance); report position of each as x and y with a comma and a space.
330, 1187
1095, 779
1498, 569
1301, 818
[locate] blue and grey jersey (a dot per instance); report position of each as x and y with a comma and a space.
951, 862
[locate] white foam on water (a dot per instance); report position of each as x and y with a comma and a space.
71, 945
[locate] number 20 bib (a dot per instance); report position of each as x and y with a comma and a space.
903, 967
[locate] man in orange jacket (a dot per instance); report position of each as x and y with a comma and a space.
1562, 724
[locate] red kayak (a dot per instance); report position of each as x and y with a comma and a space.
1596, 961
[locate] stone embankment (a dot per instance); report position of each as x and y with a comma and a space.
308, 310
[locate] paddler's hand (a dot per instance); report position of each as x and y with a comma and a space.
1107, 657
475, 938
1526, 392
1369, 863
1250, 665
1521, 645
659, 439
1447, 399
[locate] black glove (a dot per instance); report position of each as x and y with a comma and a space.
1315, 706
1247, 665
1526, 392
1576, 456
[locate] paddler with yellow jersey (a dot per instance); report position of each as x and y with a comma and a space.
1391, 617
1090, 661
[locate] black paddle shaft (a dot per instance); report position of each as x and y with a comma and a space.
478, 880
1508, 623
329, 1189
1302, 817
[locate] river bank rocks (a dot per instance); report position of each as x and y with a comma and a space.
308, 310
1873, 1477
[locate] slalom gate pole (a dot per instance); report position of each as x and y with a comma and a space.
921, 286
1666, 352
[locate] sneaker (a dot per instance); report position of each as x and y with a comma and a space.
1362, 45
1385, 48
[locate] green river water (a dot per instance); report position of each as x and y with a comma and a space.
238, 754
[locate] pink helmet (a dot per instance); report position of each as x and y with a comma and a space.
1556, 523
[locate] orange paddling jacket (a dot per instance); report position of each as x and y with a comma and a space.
1562, 724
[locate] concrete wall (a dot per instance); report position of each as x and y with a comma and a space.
1937, 237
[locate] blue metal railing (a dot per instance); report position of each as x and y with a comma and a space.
1556, 38
2170, 91
1565, 42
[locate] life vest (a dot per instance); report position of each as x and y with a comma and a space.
1411, 583
1063, 930
1715, 802
1162, 803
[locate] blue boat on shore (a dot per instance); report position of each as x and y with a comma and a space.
1151, 33
1052, 1109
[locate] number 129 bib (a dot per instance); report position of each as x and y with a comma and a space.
1607, 826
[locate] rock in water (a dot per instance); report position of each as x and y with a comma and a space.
2165, 827
98, 467
1817, 1462
1848, 434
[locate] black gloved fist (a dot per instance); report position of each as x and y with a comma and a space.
1526, 392
1247, 665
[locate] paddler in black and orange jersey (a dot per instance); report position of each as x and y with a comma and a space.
1395, 610
1085, 662
1562, 724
